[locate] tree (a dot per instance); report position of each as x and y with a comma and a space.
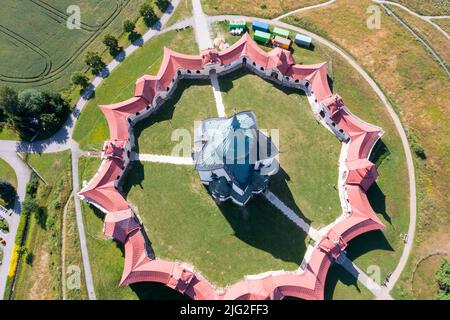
162, 4
147, 13
8, 101
7, 193
22, 250
80, 79
112, 43
443, 280
30, 206
95, 62
129, 26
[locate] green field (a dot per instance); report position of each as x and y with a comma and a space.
7, 173
224, 242
91, 128
43, 50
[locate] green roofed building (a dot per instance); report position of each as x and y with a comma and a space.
280, 32
233, 157
261, 36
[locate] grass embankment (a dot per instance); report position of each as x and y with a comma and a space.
415, 84
426, 32
91, 128
265, 9
427, 8
183, 11
41, 279
224, 242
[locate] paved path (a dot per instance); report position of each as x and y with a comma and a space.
291, 215
409, 160
161, 159
23, 175
217, 94
381, 293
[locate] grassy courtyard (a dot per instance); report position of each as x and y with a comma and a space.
192, 101
308, 152
91, 128
224, 242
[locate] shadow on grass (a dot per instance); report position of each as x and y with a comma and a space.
156, 291
336, 274
226, 82
374, 240
279, 186
167, 109
261, 225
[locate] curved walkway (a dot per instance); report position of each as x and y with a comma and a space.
409, 160
324, 4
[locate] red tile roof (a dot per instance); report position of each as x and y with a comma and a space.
120, 222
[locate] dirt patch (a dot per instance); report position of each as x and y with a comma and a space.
41, 277
424, 286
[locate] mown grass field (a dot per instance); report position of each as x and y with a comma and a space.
443, 23
265, 9
308, 152
224, 242
42, 278
7, 173
91, 128
415, 84
183, 11
192, 101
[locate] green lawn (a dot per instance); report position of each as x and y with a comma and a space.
7, 173
42, 278
192, 101
91, 128
341, 285
224, 242
308, 152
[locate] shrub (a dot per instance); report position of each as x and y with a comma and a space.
29, 258
129, 26
112, 43
4, 226
148, 14
443, 280
80, 79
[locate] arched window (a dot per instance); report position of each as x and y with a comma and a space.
189, 71
262, 69
198, 71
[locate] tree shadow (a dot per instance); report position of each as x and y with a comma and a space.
167, 109
263, 226
336, 274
